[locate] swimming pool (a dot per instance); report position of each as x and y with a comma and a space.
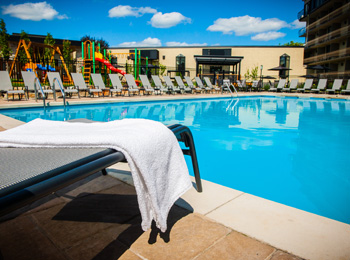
290, 150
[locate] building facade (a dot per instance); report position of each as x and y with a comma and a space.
327, 37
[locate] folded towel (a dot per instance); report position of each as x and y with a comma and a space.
155, 158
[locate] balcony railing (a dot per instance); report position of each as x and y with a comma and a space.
302, 32
341, 10
342, 32
301, 14
343, 53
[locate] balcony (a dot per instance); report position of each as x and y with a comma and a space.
301, 15
337, 34
330, 56
302, 32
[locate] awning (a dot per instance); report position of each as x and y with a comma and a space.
218, 60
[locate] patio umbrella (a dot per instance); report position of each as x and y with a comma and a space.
280, 68
268, 77
318, 67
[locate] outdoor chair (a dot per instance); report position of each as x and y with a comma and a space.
336, 86
132, 86
57, 85
280, 86
117, 86
210, 87
170, 85
307, 86
242, 85
190, 84
52, 169
347, 90
159, 87
80, 84
293, 85
182, 86
200, 86
31, 85
146, 85
99, 83
321, 86
6, 87
256, 85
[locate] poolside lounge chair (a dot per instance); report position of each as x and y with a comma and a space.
182, 86
190, 84
256, 85
117, 86
171, 86
210, 87
293, 85
54, 168
347, 90
132, 86
146, 85
336, 86
321, 86
159, 87
242, 85
6, 86
80, 84
307, 86
200, 86
280, 86
57, 85
99, 84
28, 79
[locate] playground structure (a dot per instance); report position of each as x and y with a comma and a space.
91, 54
37, 55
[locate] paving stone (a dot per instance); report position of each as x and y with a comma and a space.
21, 239
237, 246
280, 255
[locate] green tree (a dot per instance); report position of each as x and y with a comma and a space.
49, 40
247, 75
5, 50
162, 69
66, 50
292, 43
104, 44
22, 56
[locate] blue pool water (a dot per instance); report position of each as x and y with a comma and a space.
290, 150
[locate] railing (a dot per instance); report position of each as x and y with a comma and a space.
341, 32
61, 88
302, 32
227, 84
301, 14
36, 80
329, 56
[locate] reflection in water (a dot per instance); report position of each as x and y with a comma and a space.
293, 151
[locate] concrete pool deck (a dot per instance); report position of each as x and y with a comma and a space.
225, 223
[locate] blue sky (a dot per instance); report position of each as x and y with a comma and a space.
159, 23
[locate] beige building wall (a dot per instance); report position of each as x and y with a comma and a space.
252, 56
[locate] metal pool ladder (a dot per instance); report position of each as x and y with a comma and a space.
227, 84
61, 88
36, 80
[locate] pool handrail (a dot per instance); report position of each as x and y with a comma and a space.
41, 90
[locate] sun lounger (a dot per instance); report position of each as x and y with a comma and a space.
321, 86
200, 86
6, 86
191, 86
280, 86
256, 85
31, 86
347, 90
242, 85
80, 84
170, 85
159, 87
307, 86
182, 86
210, 87
99, 84
57, 85
51, 169
117, 86
132, 86
292, 86
336, 86
146, 85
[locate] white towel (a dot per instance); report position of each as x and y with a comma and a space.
154, 155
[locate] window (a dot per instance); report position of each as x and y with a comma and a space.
180, 64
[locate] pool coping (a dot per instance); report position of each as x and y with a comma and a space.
298, 232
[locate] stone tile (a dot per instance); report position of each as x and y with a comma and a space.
187, 238
238, 246
128, 255
22, 239
301, 233
2, 129
279, 255
121, 171
204, 202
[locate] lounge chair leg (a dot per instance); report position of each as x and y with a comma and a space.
104, 172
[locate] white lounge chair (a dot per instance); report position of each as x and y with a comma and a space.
307, 85
80, 84
117, 86
210, 87
159, 87
6, 86
146, 85
132, 86
293, 85
99, 84
336, 87
170, 85
28, 79
57, 85
280, 86
347, 90
321, 86
200, 87
181, 85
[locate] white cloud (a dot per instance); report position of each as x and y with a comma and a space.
33, 11
297, 25
173, 44
267, 36
127, 10
148, 42
167, 20
245, 25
